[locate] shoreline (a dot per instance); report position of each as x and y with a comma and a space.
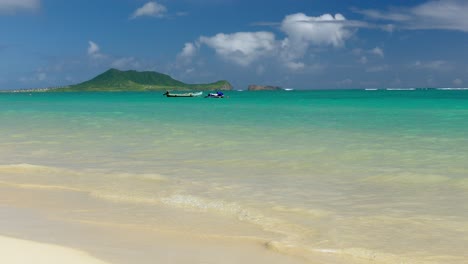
119, 231
52, 239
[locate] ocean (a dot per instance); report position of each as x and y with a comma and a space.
344, 176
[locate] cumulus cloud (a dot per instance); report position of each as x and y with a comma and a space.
303, 31
186, 57
188, 51
434, 14
13, 5
150, 9
242, 47
94, 50
323, 30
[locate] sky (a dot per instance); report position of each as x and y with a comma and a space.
300, 44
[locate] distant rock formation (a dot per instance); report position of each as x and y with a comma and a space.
254, 87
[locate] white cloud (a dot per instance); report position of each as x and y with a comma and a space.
94, 50
185, 58
13, 5
448, 14
188, 51
303, 31
377, 51
150, 9
322, 30
434, 14
242, 47
302, 34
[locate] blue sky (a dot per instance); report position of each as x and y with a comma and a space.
302, 44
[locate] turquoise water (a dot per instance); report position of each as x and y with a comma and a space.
374, 175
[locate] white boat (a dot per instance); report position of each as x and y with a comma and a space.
195, 94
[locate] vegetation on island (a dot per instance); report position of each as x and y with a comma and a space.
114, 80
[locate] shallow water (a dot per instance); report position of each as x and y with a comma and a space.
372, 175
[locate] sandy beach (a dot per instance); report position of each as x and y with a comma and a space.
17, 251
31, 233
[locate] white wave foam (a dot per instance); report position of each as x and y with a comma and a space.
124, 198
316, 213
448, 88
291, 233
143, 176
39, 186
197, 203
400, 89
25, 167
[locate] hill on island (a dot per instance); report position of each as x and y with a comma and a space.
114, 80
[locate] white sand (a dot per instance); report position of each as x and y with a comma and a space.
16, 251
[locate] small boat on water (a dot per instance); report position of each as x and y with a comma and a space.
195, 94
215, 95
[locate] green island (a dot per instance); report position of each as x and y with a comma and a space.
114, 80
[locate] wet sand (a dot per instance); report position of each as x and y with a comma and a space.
47, 236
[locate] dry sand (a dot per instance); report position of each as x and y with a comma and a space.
17, 251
